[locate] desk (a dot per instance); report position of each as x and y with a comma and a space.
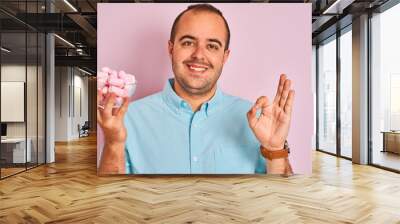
15, 148
391, 141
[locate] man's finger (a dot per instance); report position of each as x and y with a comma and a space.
262, 102
99, 99
123, 108
109, 104
99, 96
285, 93
279, 90
99, 118
251, 116
289, 103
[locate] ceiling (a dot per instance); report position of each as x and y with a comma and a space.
76, 22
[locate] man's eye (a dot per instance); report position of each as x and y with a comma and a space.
187, 43
213, 47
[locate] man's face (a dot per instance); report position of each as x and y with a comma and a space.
197, 53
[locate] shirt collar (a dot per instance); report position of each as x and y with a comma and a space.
178, 104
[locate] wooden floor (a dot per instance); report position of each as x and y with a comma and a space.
10, 171
70, 192
5, 172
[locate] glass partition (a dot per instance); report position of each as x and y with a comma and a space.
327, 95
385, 89
31, 98
22, 88
346, 93
13, 88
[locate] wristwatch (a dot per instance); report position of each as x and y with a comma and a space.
275, 154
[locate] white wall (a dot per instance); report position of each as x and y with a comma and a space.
62, 81
80, 109
14, 73
71, 93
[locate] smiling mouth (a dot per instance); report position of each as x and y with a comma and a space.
197, 68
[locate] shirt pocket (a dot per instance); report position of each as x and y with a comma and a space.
235, 159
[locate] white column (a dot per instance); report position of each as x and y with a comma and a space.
50, 92
50, 106
360, 90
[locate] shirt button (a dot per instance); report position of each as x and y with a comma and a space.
195, 159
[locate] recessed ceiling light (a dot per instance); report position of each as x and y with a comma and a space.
64, 40
86, 72
5, 50
70, 5
337, 7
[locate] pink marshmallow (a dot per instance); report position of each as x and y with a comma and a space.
102, 75
116, 82
121, 74
104, 90
102, 79
100, 86
113, 74
106, 69
101, 83
130, 89
129, 79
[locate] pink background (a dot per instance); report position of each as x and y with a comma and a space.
266, 40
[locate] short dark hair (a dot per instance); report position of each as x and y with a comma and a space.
201, 8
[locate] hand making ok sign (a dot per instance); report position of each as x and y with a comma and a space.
271, 128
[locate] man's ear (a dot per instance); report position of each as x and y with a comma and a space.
226, 55
170, 48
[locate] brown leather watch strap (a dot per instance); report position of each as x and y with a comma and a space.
276, 154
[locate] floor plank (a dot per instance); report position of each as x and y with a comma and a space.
69, 191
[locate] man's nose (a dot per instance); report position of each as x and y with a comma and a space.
198, 53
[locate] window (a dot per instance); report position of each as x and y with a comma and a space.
395, 102
385, 88
327, 96
346, 93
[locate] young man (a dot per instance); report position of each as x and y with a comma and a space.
191, 126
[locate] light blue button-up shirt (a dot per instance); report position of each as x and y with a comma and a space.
166, 137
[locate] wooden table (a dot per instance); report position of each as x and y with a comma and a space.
391, 141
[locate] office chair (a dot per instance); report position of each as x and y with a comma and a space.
84, 130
